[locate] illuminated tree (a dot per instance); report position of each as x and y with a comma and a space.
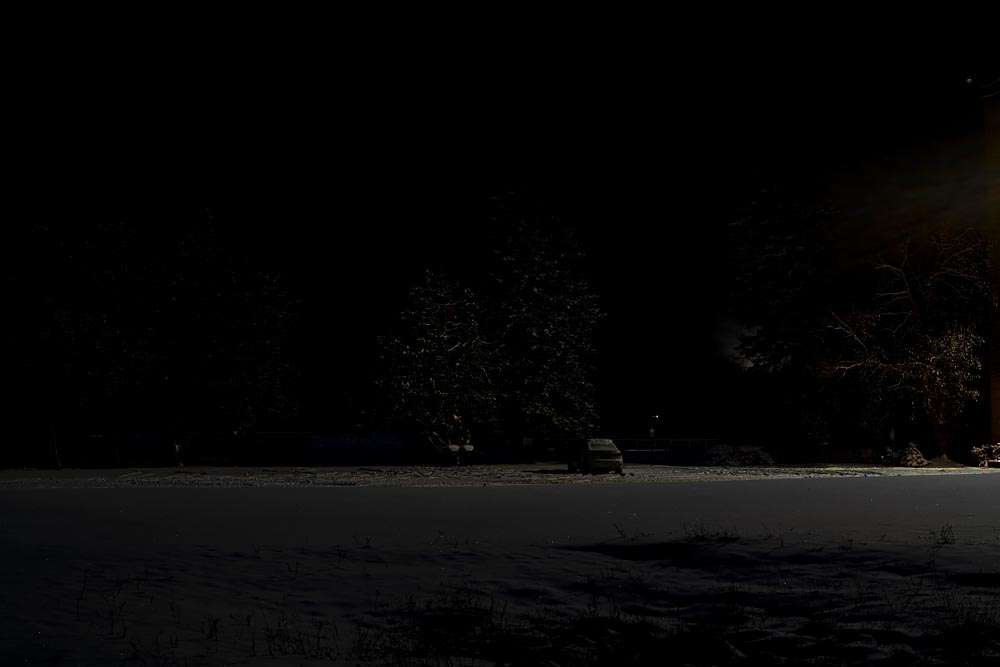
920, 344
544, 315
515, 357
439, 370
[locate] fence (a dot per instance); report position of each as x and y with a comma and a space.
665, 450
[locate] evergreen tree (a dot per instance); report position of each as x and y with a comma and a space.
514, 357
544, 315
439, 370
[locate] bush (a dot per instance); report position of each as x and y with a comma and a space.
725, 455
986, 453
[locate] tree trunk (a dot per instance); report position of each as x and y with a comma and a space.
991, 117
939, 437
54, 443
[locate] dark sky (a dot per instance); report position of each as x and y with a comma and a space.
349, 184
649, 163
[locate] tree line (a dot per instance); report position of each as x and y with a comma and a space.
157, 321
139, 322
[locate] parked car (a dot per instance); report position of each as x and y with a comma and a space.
596, 455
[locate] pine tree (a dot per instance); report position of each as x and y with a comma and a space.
439, 369
544, 316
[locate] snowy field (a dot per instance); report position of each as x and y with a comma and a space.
497, 565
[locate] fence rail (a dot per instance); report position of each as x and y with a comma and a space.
662, 444
665, 450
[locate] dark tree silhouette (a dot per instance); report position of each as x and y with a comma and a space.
145, 321
783, 286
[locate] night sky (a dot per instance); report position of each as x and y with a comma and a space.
349, 187
649, 164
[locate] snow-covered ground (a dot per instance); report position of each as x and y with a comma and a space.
480, 475
500, 565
